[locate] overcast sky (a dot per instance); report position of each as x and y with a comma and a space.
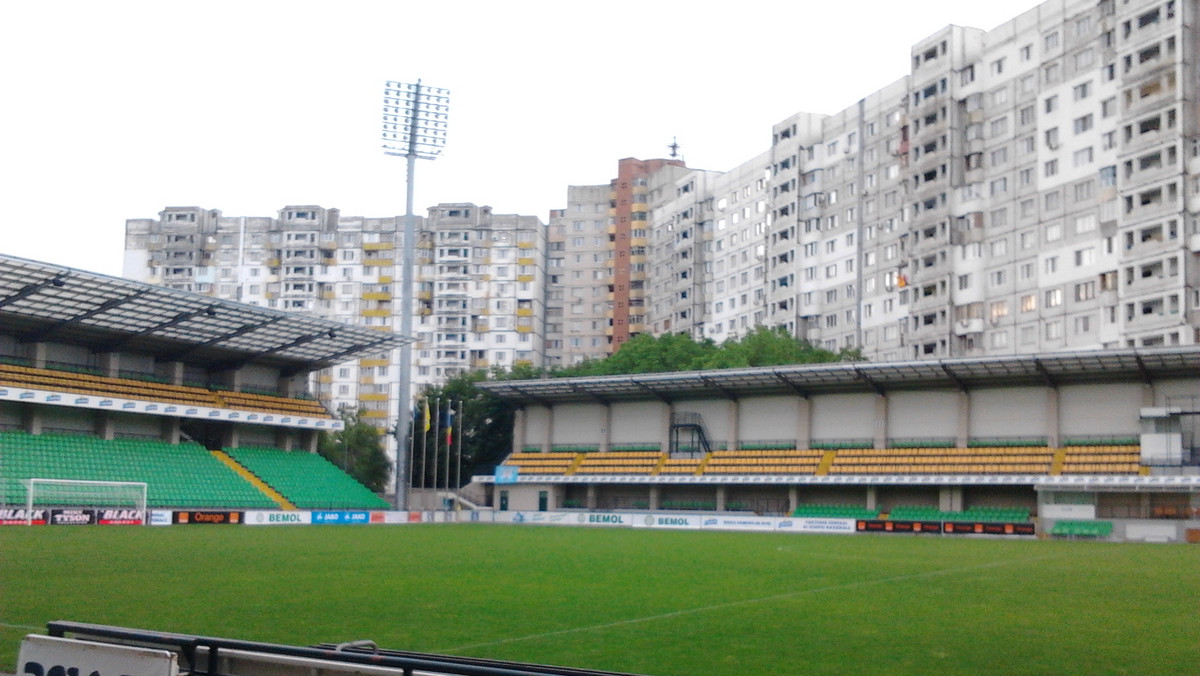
114, 109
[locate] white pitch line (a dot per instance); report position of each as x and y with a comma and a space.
744, 602
21, 626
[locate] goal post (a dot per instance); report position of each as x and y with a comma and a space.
122, 502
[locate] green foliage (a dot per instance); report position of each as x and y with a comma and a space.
486, 420
357, 451
689, 602
483, 420
668, 353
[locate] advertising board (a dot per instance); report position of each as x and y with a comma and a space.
277, 517
50, 655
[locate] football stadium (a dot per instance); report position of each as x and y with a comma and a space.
830, 518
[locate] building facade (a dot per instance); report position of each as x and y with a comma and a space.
478, 286
1031, 188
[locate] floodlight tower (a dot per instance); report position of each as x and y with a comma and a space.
414, 125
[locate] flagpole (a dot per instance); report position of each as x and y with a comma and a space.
425, 449
412, 454
458, 466
437, 433
449, 441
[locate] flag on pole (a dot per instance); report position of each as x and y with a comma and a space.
426, 415
449, 423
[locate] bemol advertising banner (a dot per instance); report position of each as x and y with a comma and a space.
277, 518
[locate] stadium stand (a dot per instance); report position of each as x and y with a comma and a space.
763, 461
305, 479
998, 440
975, 514
104, 379
182, 475
835, 512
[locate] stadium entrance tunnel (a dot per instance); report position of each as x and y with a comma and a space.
76, 647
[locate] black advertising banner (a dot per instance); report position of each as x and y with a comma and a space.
951, 527
20, 517
120, 517
204, 517
72, 517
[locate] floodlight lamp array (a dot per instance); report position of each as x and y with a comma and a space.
414, 119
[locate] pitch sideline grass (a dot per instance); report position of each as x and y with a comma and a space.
654, 602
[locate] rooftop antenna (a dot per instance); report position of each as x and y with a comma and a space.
674, 148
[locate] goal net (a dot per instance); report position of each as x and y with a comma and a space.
76, 501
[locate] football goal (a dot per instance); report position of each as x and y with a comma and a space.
121, 502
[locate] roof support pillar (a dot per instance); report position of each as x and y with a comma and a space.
667, 413
803, 423
548, 440
606, 429
881, 421
962, 433
520, 429
1052, 422
735, 424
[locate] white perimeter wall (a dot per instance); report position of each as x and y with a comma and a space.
843, 416
923, 414
637, 422
1009, 412
1088, 410
578, 424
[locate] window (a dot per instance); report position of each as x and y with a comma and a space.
1108, 107
1050, 168
1054, 297
1085, 256
1082, 91
1028, 303
1082, 157
1052, 138
1051, 104
1026, 115
1083, 124
1051, 41
1085, 291
997, 66
1051, 264
1053, 232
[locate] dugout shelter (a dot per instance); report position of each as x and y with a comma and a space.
205, 400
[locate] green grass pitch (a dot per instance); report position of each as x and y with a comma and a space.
668, 603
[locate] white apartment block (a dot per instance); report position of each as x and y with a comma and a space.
478, 287
480, 292
577, 295
1031, 188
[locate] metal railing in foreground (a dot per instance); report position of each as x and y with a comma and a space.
209, 656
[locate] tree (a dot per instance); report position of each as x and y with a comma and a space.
357, 450
482, 429
485, 422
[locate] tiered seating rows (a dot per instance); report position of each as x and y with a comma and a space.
177, 475
1102, 459
992, 514
307, 480
927, 460
104, 386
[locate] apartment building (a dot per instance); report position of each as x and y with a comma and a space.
478, 287
1030, 188
578, 298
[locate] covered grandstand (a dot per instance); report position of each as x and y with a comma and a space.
205, 401
1073, 436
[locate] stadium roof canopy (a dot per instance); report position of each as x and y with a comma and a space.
46, 302
1051, 369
